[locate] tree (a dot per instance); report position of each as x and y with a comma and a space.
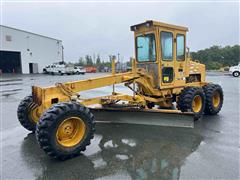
80, 62
89, 61
216, 57
98, 62
129, 63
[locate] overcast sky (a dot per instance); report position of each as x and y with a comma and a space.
103, 28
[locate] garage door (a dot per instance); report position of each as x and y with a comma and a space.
10, 62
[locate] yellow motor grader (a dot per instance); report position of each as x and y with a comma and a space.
163, 79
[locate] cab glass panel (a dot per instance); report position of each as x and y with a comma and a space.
146, 48
167, 46
180, 47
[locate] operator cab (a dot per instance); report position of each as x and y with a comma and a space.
160, 49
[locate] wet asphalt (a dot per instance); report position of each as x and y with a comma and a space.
210, 150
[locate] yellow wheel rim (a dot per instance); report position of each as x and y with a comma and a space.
71, 131
33, 113
216, 99
197, 104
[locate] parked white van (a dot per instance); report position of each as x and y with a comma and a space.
235, 70
79, 70
58, 68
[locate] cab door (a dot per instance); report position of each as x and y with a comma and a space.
167, 57
180, 61
146, 54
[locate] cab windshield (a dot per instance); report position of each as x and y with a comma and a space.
146, 48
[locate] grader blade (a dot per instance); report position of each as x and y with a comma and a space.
156, 117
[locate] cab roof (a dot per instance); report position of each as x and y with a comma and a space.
150, 23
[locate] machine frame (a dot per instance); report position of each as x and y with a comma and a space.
163, 79
159, 93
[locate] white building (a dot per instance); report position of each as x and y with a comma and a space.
26, 52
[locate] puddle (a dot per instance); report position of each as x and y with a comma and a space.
121, 156
129, 142
8, 94
10, 90
110, 144
99, 163
11, 84
10, 80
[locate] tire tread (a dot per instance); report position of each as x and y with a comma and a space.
209, 90
47, 121
186, 96
22, 114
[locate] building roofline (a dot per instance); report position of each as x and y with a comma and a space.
30, 33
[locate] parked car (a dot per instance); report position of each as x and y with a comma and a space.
235, 70
57, 68
79, 70
91, 69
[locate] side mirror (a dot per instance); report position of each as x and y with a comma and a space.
188, 51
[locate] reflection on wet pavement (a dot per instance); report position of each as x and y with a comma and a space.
124, 151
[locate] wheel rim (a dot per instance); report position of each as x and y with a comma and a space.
33, 113
236, 74
71, 131
216, 99
197, 104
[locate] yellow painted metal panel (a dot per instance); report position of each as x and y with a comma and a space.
146, 87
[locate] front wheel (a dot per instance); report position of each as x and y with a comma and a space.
65, 130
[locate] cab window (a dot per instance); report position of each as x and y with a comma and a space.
180, 47
146, 48
167, 45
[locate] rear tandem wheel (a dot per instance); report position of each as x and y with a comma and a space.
214, 98
26, 113
192, 99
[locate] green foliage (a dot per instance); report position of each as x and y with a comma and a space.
89, 60
129, 63
81, 62
101, 65
98, 60
216, 57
